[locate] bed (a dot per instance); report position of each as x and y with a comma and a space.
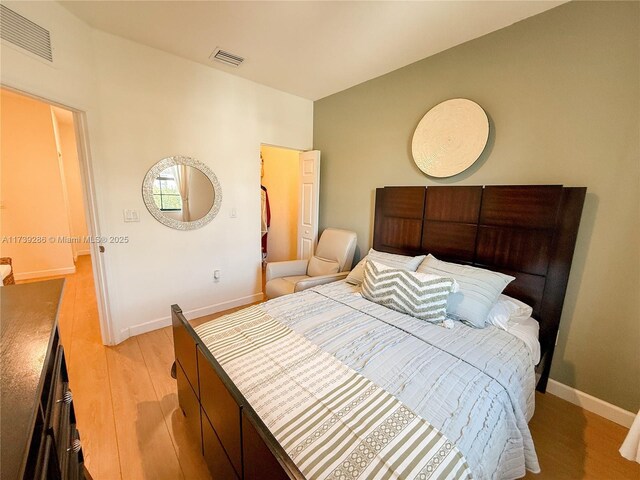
287, 388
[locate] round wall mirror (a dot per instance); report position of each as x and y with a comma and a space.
182, 193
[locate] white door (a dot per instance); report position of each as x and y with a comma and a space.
309, 203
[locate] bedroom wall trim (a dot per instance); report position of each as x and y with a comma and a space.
79, 253
45, 273
590, 403
151, 325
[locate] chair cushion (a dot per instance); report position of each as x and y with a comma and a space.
321, 266
278, 287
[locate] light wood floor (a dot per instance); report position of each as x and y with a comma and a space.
131, 426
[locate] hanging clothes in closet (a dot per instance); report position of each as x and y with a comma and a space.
265, 220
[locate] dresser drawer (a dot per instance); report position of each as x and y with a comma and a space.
74, 468
48, 468
63, 434
56, 391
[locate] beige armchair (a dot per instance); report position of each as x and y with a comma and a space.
331, 261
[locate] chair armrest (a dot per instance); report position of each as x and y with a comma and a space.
286, 269
319, 280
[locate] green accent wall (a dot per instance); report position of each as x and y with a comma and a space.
562, 91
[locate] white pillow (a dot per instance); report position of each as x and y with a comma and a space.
479, 289
508, 311
420, 295
402, 262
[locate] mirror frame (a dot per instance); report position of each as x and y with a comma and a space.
157, 169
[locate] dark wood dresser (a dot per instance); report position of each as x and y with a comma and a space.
38, 436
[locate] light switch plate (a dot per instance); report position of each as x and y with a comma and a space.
131, 215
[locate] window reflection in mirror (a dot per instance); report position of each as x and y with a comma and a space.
165, 192
182, 193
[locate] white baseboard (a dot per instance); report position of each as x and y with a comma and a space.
80, 252
44, 273
591, 403
145, 327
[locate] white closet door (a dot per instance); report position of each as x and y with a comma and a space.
309, 203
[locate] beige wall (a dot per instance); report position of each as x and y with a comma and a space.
177, 107
143, 105
562, 93
32, 189
282, 179
73, 182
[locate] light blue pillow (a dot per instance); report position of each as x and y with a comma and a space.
479, 289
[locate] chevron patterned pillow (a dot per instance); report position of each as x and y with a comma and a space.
420, 295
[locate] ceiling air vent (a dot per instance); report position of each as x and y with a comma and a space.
16, 29
226, 57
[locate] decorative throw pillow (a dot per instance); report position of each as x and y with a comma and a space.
402, 262
320, 266
420, 295
479, 289
507, 311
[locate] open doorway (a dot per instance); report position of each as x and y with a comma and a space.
280, 187
44, 229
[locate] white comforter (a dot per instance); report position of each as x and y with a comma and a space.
475, 385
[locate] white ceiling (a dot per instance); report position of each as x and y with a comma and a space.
311, 49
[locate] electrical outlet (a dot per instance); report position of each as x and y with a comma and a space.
216, 276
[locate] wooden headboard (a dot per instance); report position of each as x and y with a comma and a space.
527, 231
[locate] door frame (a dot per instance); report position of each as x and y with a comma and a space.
90, 206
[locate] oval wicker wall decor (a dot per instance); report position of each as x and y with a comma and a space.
450, 137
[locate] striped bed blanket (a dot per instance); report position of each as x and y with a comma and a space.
333, 422
476, 386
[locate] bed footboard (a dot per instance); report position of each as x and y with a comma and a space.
234, 441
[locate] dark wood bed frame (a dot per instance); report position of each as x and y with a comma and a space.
234, 441
528, 232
